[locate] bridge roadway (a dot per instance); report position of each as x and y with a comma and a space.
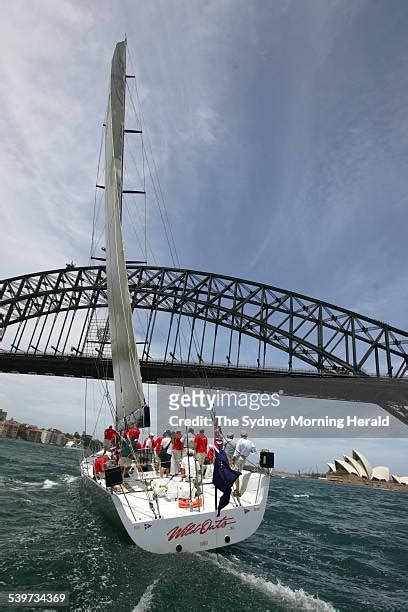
390, 394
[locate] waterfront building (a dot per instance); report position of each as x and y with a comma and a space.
60, 438
53, 436
10, 428
3, 416
33, 433
46, 436
355, 467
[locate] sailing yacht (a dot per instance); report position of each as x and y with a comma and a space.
157, 513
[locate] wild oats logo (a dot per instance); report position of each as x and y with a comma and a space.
201, 528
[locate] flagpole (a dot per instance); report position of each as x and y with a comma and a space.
215, 449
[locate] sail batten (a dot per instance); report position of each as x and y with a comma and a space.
125, 361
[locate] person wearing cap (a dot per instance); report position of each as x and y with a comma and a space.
148, 446
149, 442
230, 445
242, 451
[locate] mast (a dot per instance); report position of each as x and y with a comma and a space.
125, 362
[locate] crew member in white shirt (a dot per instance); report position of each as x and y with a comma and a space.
242, 451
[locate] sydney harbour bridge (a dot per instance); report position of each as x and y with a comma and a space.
191, 324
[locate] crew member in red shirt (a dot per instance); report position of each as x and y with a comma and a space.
177, 453
156, 451
99, 466
201, 445
133, 432
109, 438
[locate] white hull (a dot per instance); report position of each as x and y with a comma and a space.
182, 529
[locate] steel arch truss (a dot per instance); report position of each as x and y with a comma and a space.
219, 309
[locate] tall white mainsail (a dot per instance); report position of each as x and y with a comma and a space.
125, 361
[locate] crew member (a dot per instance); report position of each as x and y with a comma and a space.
165, 454
127, 451
149, 442
242, 451
109, 437
148, 446
230, 445
177, 451
201, 445
156, 452
99, 465
133, 432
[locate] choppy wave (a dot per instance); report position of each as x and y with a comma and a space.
145, 602
306, 555
295, 599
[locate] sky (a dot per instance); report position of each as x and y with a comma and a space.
280, 134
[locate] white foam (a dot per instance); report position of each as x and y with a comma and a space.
69, 479
17, 485
144, 603
295, 599
49, 484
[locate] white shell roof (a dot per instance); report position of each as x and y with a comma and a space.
363, 462
343, 466
381, 472
356, 465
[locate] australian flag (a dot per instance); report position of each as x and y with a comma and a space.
223, 478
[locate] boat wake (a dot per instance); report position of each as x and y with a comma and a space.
146, 600
291, 599
302, 496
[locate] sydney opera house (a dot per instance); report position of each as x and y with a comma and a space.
356, 467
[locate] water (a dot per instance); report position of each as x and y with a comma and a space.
320, 547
